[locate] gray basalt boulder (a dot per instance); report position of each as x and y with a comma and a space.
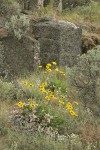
59, 40
18, 56
48, 40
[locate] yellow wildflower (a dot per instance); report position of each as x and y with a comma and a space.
73, 113
42, 89
40, 66
62, 96
53, 97
48, 65
61, 102
32, 105
49, 70
25, 83
31, 85
57, 69
29, 99
20, 104
54, 63
49, 92
47, 98
69, 106
44, 83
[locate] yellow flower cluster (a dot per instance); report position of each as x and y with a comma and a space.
42, 89
25, 83
52, 67
49, 95
69, 107
61, 102
23, 105
48, 68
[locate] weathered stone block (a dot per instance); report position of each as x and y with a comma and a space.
18, 56
49, 40
59, 41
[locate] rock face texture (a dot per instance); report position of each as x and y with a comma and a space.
18, 56
60, 41
49, 40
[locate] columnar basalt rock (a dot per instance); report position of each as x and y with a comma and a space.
18, 56
48, 40
59, 40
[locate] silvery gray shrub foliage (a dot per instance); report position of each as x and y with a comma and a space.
18, 25
85, 77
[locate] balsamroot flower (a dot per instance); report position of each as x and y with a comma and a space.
54, 63
73, 113
69, 106
32, 105
61, 102
20, 104
31, 85
25, 83
40, 66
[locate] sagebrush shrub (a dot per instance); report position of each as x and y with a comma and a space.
7, 91
18, 25
85, 77
9, 7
